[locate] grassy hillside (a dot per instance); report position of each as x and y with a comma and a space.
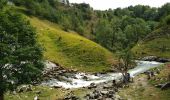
71, 50
157, 44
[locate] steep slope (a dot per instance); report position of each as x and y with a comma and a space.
157, 44
70, 50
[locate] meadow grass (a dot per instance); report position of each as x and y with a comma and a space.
157, 44
71, 50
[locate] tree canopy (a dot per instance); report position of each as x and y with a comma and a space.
20, 55
114, 29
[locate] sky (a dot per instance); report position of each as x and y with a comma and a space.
106, 4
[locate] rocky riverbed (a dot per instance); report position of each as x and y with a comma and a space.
72, 85
100, 85
56, 76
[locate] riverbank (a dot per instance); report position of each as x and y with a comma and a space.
66, 79
82, 86
144, 89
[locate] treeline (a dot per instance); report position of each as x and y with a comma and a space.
122, 28
114, 29
73, 17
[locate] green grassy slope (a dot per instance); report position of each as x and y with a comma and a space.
71, 50
46, 94
157, 44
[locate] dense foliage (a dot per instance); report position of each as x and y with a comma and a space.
114, 29
20, 55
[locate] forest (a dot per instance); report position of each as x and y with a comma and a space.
115, 29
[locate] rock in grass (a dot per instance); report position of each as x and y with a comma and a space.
165, 86
36, 98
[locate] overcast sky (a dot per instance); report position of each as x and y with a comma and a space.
106, 4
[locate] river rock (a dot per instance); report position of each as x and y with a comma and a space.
14, 92
111, 92
97, 94
71, 96
163, 60
38, 92
165, 86
92, 85
96, 74
150, 58
104, 92
87, 96
117, 97
24, 88
109, 99
107, 86
92, 96
61, 72
154, 58
85, 77
159, 85
56, 87
36, 98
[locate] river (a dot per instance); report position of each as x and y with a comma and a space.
78, 81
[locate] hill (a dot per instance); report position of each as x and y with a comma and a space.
71, 50
156, 43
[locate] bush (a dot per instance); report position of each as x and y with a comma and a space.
167, 20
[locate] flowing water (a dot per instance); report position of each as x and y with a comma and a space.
78, 81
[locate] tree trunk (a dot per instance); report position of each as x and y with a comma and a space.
1, 85
1, 95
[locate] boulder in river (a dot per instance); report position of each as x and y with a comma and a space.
92, 85
85, 78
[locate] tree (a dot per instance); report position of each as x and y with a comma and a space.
122, 12
138, 10
135, 29
150, 14
20, 55
2, 3
104, 33
164, 10
126, 58
165, 21
126, 62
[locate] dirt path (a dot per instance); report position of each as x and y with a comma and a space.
140, 89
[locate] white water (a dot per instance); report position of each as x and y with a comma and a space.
79, 82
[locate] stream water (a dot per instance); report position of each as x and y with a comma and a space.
78, 81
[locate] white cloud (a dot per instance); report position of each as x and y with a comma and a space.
106, 4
